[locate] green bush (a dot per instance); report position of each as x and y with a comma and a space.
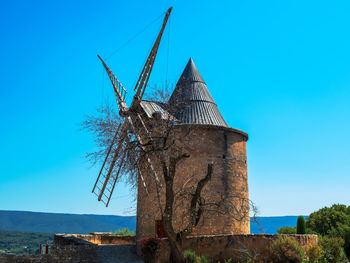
191, 257
124, 232
287, 230
285, 250
301, 227
347, 243
204, 260
314, 253
332, 249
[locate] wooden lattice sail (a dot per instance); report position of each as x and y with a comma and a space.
116, 154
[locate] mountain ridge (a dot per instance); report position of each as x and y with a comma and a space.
29, 221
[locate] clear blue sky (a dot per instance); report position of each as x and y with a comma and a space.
278, 70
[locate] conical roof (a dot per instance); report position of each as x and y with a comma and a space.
191, 102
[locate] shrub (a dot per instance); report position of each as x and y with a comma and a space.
314, 253
301, 227
332, 249
347, 244
191, 257
204, 260
286, 250
287, 230
124, 232
149, 249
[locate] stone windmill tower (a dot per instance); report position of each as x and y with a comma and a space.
208, 139
200, 130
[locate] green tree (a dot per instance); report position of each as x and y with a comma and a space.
332, 221
301, 227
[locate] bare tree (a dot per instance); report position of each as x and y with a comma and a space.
165, 149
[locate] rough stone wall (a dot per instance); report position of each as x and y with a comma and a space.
27, 259
66, 248
236, 247
75, 253
217, 248
226, 148
104, 238
66, 254
77, 249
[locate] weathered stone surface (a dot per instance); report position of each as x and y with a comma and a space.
219, 247
237, 247
95, 247
28, 259
226, 149
92, 248
93, 238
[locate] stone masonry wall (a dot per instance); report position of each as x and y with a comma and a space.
236, 247
104, 238
64, 254
69, 249
226, 149
92, 248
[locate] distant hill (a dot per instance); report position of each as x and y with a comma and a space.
15, 242
63, 223
83, 224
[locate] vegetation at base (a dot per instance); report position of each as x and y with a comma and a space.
314, 253
15, 242
286, 250
287, 230
191, 257
332, 250
301, 227
332, 224
124, 232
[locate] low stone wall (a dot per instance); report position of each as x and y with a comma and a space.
74, 248
67, 248
68, 258
96, 247
26, 259
94, 238
237, 247
79, 248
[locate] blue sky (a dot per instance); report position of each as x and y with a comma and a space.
279, 70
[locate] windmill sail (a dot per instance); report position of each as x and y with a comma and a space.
119, 90
108, 175
147, 69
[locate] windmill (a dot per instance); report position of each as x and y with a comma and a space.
106, 179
